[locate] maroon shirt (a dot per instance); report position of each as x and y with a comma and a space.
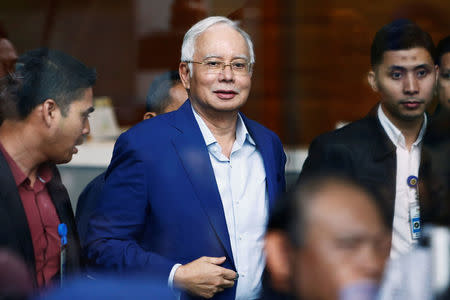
42, 219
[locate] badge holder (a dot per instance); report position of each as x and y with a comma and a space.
414, 210
62, 232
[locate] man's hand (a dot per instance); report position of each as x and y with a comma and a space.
204, 277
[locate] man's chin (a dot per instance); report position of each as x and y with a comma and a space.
64, 160
412, 117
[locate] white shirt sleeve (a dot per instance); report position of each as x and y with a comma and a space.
170, 280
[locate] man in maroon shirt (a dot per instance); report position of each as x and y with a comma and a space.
45, 103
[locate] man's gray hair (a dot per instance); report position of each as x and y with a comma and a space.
188, 47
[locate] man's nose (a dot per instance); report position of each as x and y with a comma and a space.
226, 73
410, 85
371, 262
87, 128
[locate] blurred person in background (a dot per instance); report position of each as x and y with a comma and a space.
8, 56
188, 193
166, 93
383, 150
327, 240
443, 60
436, 147
15, 277
46, 104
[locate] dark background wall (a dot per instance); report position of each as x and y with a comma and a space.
312, 56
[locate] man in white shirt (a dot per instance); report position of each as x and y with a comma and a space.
188, 193
383, 150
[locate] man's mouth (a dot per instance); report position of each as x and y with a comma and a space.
225, 94
412, 104
77, 143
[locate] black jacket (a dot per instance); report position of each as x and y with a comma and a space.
14, 230
362, 151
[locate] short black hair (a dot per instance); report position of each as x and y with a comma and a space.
43, 74
442, 48
158, 95
401, 34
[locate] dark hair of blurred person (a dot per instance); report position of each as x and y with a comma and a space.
46, 104
166, 93
324, 237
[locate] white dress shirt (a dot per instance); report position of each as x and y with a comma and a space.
408, 162
241, 180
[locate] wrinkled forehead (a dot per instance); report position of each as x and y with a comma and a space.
219, 40
344, 209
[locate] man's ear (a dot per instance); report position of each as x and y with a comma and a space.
149, 115
50, 111
279, 251
372, 80
185, 75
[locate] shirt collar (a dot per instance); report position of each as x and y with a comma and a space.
394, 134
44, 171
19, 176
242, 133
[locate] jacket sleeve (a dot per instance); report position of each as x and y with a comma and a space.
119, 221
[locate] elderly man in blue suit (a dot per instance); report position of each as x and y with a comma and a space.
188, 193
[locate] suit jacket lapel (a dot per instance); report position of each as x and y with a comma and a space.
194, 155
10, 199
384, 155
264, 145
61, 201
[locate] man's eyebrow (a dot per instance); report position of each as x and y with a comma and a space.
241, 56
208, 56
89, 110
402, 68
395, 67
423, 66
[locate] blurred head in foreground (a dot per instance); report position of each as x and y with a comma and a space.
15, 278
326, 234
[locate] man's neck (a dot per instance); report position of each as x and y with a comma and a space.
20, 145
409, 128
222, 126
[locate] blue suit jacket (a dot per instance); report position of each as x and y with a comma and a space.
161, 205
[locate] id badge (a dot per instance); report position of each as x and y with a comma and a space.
414, 221
62, 269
